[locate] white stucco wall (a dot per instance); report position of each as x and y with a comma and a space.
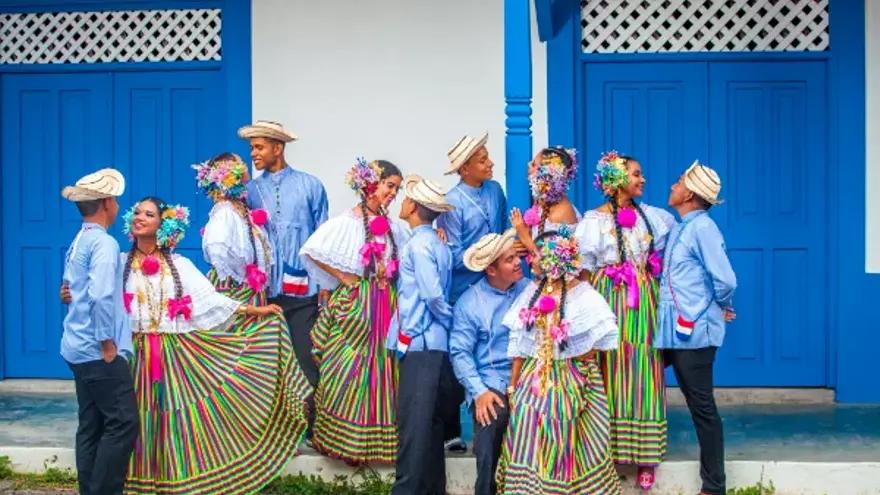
394, 79
872, 173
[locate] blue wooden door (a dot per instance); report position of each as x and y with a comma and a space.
55, 129
152, 126
768, 141
648, 111
762, 126
166, 122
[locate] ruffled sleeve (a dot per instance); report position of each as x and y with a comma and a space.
661, 223
521, 343
336, 243
225, 244
592, 240
210, 309
592, 325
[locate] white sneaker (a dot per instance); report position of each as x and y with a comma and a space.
456, 445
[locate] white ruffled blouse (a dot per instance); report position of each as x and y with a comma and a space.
337, 243
591, 324
147, 297
226, 243
598, 239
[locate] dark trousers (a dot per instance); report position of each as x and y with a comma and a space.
451, 413
426, 383
487, 446
301, 314
108, 425
693, 369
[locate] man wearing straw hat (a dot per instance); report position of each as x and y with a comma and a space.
478, 346
696, 302
419, 333
96, 342
296, 203
480, 209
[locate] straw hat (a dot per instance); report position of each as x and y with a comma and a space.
426, 193
104, 183
463, 150
484, 252
704, 182
267, 129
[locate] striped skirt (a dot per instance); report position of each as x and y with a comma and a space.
634, 376
355, 416
220, 411
558, 444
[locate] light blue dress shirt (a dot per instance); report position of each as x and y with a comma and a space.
297, 204
95, 313
422, 293
697, 272
478, 342
478, 211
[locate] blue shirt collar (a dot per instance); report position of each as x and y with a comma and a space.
422, 228
468, 188
92, 225
484, 283
691, 215
276, 176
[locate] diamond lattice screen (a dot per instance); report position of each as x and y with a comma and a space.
115, 36
657, 26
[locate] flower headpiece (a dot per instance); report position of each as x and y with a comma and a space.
222, 179
559, 256
610, 172
175, 221
551, 180
363, 178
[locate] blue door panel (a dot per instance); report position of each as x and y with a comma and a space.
55, 129
762, 126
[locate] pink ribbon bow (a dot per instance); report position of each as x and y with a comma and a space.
625, 273
180, 306
256, 278
370, 249
559, 332
655, 263
154, 357
391, 268
127, 297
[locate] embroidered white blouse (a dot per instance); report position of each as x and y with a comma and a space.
148, 300
598, 240
337, 243
226, 243
592, 325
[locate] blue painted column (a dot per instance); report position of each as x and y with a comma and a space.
518, 97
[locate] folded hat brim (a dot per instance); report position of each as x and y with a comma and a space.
457, 163
251, 132
77, 194
477, 258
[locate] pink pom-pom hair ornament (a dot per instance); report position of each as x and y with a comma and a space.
260, 217
627, 217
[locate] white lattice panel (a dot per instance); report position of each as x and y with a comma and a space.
652, 26
114, 36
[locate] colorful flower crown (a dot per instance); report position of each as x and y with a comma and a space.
559, 256
175, 221
363, 178
222, 179
551, 181
610, 172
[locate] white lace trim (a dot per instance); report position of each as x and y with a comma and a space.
337, 243
592, 325
598, 239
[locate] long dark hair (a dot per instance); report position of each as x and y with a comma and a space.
164, 252
388, 170
618, 229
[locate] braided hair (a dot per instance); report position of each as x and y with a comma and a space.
388, 170
618, 229
543, 284
567, 162
164, 252
237, 203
